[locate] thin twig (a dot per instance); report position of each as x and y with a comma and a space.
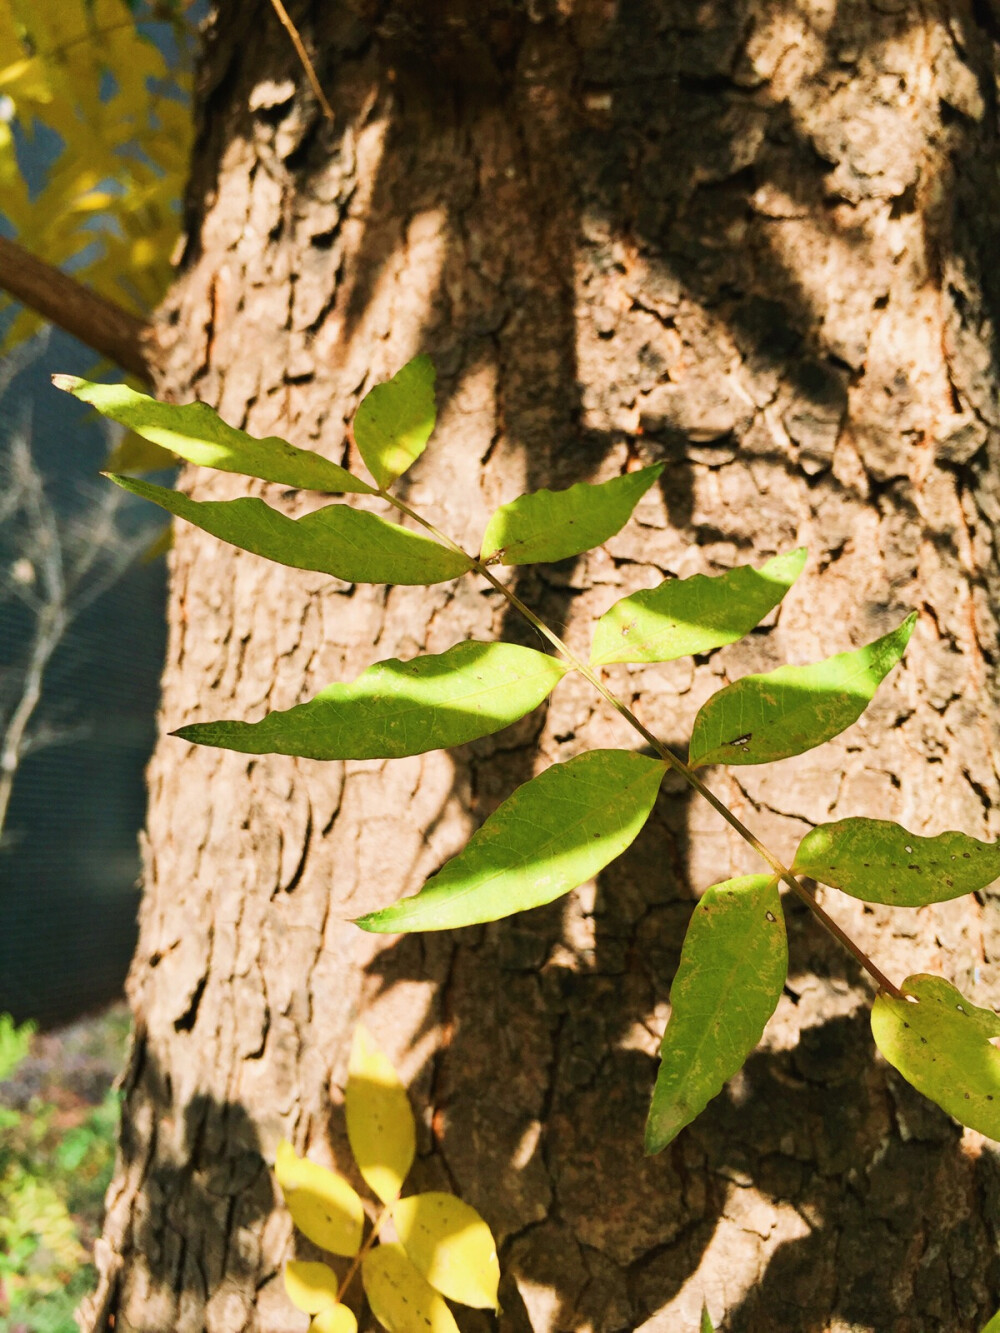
98, 322
303, 56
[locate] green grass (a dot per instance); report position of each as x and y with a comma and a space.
58, 1119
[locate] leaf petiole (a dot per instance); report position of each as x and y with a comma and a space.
678, 765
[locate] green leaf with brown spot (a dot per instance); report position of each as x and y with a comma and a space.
348, 543
879, 862
695, 615
733, 966
759, 719
943, 1045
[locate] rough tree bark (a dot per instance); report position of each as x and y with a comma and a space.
753, 239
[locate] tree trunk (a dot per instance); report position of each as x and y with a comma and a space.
755, 240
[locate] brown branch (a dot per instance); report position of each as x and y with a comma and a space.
98, 323
303, 55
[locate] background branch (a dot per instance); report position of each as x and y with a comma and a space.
97, 322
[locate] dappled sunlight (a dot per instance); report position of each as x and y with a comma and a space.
750, 1230
673, 241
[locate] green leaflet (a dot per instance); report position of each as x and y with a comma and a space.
196, 433
553, 525
706, 1321
994, 1325
879, 862
395, 420
942, 1046
553, 834
349, 543
685, 616
762, 718
733, 966
398, 708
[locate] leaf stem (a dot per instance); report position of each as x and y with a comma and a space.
359, 1258
667, 755
303, 55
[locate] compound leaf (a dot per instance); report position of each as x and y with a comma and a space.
334, 1319
943, 1046
196, 433
400, 1296
310, 1287
879, 862
762, 718
399, 708
380, 1123
451, 1245
395, 420
553, 525
323, 1205
553, 834
734, 962
348, 543
695, 615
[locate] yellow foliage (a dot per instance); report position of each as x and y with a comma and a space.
379, 1120
323, 1205
444, 1248
91, 72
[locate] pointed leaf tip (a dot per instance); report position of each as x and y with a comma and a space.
733, 966
400, 708
401, 1298
551, 835
555, 525
694, 615
943, 1045
334, 1319
395, 420
337, 539
323, 1205
310, 1286
380, 1124
763, 718
451, 1245
196, 433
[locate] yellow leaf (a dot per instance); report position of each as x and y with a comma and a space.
379, 1120
310, 1287
334, 1319
451, 1245
323, 1205
400, 1296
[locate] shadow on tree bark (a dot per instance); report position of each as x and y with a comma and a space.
659, 232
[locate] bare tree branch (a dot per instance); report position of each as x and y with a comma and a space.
61, 566
98, 323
